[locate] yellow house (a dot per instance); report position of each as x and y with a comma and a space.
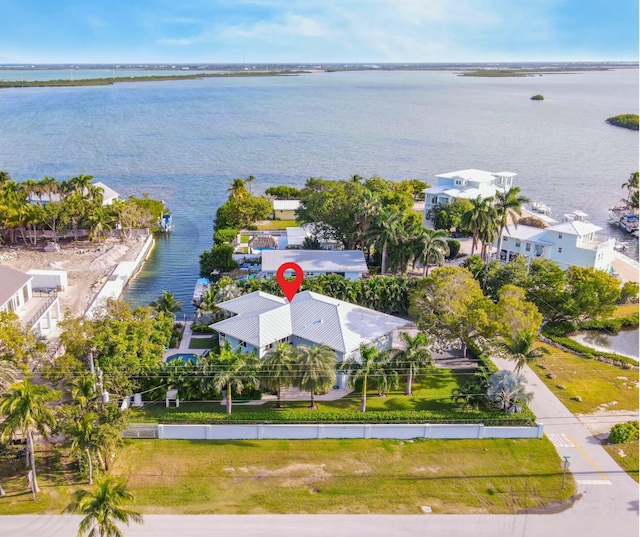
285, 209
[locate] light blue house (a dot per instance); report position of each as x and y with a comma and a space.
261, 321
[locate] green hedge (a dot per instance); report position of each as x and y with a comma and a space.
612, 325
588, 352
525, 418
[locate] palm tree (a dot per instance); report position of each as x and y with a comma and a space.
83, 391
167, 303
235, 371
430, 247
277, 369
85, 439
506, 391
238, 189
100, 223
519, 348
508, 205
102, 508
414, 357
477, 219
382, 375
383, 231
25, 409
316, 369
359, 369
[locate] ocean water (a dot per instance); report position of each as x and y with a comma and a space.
185, 141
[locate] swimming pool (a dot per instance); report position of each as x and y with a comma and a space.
185, 357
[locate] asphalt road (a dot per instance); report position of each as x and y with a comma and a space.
607, 503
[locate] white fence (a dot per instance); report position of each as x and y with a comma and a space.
314, 431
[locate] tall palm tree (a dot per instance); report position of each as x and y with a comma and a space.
85, 439
83, 391
519, 348
102, 508
359, 369
414, 357
25, 409
235, 371
167, 303
277, 369
478, 218
383, 232
316, 369
238, 189
430, 248
383, 375
508, 206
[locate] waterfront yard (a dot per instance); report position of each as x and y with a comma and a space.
317, 476
600, 386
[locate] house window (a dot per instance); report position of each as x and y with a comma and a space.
517, 244
458, 182
528, 247
559, 250
504, 239
243, 344
559, 235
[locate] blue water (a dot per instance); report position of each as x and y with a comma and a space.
185, 141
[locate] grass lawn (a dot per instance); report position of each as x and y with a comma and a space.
601, 386
430, 392
276, 224
202, 342
626, 455
625, 310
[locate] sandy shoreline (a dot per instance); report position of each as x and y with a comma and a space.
88, 266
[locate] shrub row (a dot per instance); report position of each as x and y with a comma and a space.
612, 325
588, 352
525, 418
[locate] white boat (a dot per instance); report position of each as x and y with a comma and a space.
541, 208
166, 222
620, 246
202, 286
629, 222
615, 213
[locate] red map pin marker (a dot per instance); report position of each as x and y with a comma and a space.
290, 287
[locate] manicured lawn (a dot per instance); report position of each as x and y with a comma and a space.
601, 386
430, 392
626, 455
202, 342
276, 224
316, 476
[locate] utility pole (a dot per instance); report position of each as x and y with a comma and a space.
101, 389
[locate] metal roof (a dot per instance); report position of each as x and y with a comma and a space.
316, 260
340, 325
254, 302
286, 205
11, 281
575, 227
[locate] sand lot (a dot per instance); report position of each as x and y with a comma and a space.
87, 264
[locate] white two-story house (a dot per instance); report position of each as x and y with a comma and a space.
570, 242
465, 184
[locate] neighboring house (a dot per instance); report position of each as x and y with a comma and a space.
262, 320
570, 242
285, 209
465, 184
348, 263
108, 195
297, 235
36, 306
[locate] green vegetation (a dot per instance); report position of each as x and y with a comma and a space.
628, 121
537, 98
34, 210
624, 433
266, 225
283, 192
219, 258
626, 456
316, 476
600, 385
115, 80
203, 342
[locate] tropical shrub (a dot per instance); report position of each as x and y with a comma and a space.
506, 391
225, 234
454, 248
623, 433
220, 257
537, 98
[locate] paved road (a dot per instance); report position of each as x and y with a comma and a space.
608, 504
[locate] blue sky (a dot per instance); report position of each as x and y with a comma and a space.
292, 31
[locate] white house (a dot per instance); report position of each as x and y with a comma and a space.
285, 209
262, 320
37, 308
297, 235
348, 263
570, 242
465, 184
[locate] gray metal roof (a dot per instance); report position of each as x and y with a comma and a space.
316, 260
11, 281
311, 316
254, 302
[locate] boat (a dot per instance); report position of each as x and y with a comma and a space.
629, 222
541, 208
166, 222
202, 286
620, 246
615, 213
